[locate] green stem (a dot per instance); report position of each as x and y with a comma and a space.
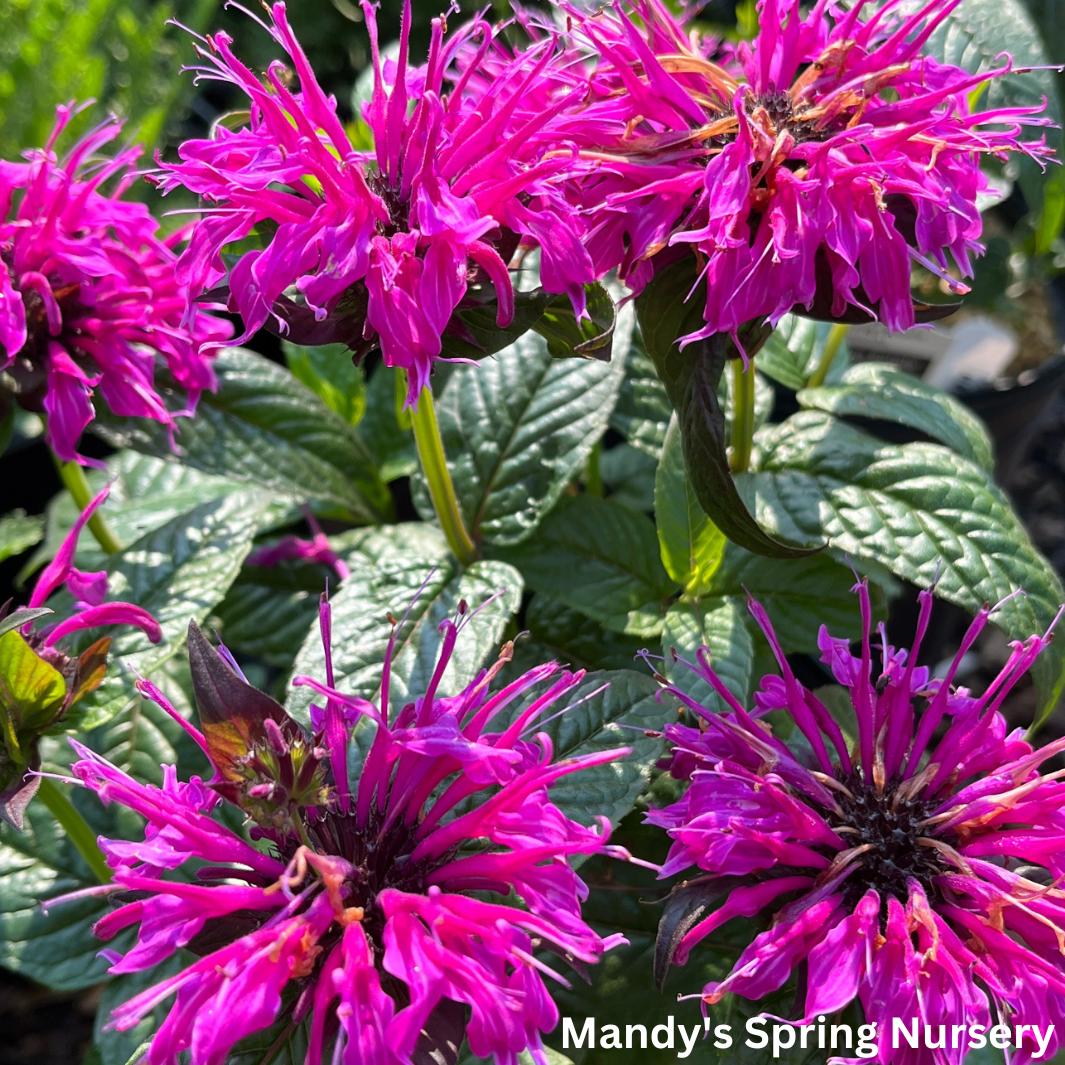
835, 339
742, 416
437, 476
78, 832
278, 1043
76, 483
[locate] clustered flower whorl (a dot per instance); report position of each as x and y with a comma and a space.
379, 246
357, 906
908, 857
808, 169
88, 292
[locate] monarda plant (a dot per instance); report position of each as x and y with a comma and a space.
269, 782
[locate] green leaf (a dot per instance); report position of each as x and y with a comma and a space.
262, 427
608, 710
878, 390
392, 445
600, 558
19, 531
483, 336
31, 691
689, 542
574, 639
589, 338
517, 429
788, 588
329, 372
642, 411
630, 476
178, 572
721, 621
920, 510
388, 567
23, 616
691, 376
723, 626
146, 493
793, 350
269, 610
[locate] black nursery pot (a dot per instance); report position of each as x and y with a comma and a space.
1011, 407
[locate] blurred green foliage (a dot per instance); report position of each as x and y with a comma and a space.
124, 55
121, 53
333, 33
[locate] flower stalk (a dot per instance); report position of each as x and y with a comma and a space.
76, 828
836, 336
438, 478
77, 484
742, 416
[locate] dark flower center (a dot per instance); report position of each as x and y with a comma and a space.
776, 112
381, 857
777, 105
283, 791
27, 376
898, 841
397, 204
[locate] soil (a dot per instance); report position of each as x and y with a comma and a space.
42, 1027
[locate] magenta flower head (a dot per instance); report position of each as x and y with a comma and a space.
907, 856
377, 247
295, 548
360, 906
809, 169
88, 296
39, 681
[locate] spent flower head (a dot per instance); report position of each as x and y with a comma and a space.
88, 294
907, 855
360, 908
810, 169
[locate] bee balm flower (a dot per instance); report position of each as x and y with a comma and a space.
916, 869
377, 246
361, 909
88, 297
807, 170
